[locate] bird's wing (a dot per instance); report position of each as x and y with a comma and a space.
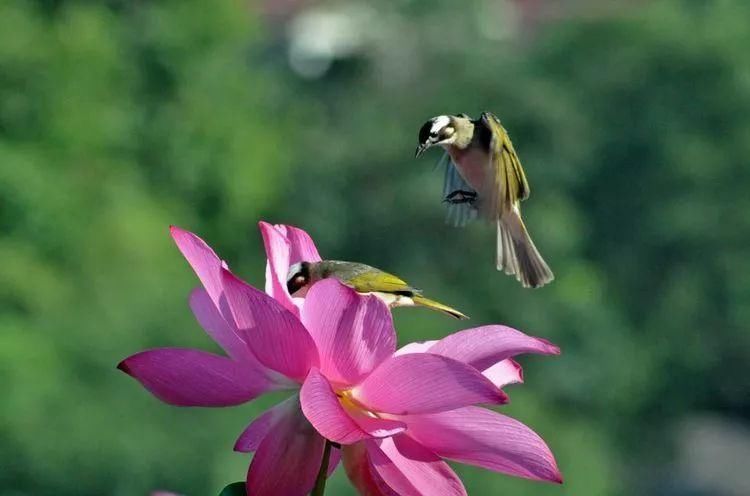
510, 185
377, 280
458, 214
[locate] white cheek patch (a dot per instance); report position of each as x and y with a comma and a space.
440, 122
293, 269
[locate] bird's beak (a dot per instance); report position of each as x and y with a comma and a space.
421, 148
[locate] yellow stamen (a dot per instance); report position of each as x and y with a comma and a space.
352, 405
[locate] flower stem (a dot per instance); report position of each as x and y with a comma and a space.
320, 481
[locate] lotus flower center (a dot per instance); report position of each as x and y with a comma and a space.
350, 404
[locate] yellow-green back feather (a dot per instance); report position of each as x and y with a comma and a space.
377, 280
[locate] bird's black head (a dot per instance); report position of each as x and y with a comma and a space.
298, 277
439, 130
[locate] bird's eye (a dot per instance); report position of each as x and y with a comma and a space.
433, 134
296, 283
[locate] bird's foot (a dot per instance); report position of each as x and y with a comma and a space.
461, 196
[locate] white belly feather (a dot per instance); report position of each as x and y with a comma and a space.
393, 300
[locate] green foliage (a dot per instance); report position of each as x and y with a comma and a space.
120, 118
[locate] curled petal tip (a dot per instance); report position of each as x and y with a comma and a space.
177, 232
518, 368
555, 477
238, 447
124, 367
552, 348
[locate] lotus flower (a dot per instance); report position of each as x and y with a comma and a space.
336, 351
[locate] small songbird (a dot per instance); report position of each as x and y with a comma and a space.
363, 279
484, 178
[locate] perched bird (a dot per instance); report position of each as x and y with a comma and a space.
364, 279
484, 178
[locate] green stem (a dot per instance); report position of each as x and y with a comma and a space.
320, 481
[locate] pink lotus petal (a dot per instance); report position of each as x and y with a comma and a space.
323, 409
481, 437
504, 373
287, 462
411, 469
302, 247
353, 333
216, 326
425, 383
275, 336
226, 335
416, 347
482, 347
278, 251
361, 473
203, 260
254, 434
333, 460
501, 374
186, 377
377, 426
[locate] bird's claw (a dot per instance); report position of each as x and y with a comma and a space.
461, 196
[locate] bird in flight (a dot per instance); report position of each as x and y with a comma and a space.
484, 178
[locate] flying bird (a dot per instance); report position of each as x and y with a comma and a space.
392, 290
484, 178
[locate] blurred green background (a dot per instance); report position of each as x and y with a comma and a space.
121, 117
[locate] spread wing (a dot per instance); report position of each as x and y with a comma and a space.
511, 185
457, 214
377, 280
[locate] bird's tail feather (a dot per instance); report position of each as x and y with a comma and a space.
421, 301
516, 253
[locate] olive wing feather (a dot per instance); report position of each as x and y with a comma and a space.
511, 185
